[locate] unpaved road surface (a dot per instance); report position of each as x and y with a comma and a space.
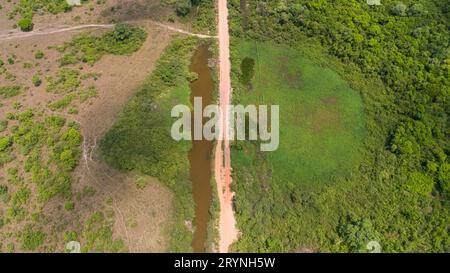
227, 223
10, 34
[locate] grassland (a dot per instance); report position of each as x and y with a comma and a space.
321, 118
321, 129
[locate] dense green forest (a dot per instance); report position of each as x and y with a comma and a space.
397, 56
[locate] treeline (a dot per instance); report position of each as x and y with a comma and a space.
406, 45
200, 12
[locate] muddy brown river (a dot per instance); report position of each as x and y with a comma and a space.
200, 154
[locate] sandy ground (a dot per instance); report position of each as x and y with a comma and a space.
227, 223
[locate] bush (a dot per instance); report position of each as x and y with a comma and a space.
124, 39
10, 91
141, 183
31, 239
5, 143
3, 125
69, 206
39, 54
183, 7
68, 59
36, 80
21, 196
357, 233
25, 24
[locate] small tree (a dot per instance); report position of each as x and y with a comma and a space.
399, 9
25, 24
122, 32
183, 7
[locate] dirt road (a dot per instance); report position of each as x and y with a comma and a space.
227, 224
10, 34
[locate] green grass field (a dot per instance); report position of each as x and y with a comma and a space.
321, 117
280, 200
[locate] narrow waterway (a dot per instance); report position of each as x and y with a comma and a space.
200, 154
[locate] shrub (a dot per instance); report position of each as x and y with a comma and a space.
67, 81
36, 80
10, 91
62, 103
25, 24
21, 196
5, 143
141, 183
69, 206
31, 239
247, 70
39, 54
3, 125
357, 233
183, 7
68, 59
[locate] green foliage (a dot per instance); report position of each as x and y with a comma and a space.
399, 63
51, 177
183, 7
27, 8
67, 81
205, 16
62, 103
70, 236
247, 70
36, 80
69, 206
124, 39
141, 183
127, 145
68, 59
444, 178
399, 9
97, 232
4, 196
3, 125
5, 143
357, 233
10, 91
32, 239
39, 54
420, 183
25, 24
21, 196
88, 93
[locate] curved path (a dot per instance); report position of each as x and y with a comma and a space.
10, 34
